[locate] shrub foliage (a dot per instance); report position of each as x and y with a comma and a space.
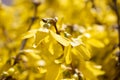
59, 40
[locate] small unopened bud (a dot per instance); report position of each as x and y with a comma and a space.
41, 63
37, 2
46, 25
11, 70
75, 76
52, 21
5, 73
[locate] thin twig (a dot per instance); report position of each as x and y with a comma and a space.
56, 29
25, 40
29, 27
118, 19
5, 33
118, 23
73, 69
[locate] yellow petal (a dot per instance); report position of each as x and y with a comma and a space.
62, 40
96, 43
67, 53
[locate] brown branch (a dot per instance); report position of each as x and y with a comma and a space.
56, 26
73, 70
118, 23
76, 71
5, 33
118, 19
29, 27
